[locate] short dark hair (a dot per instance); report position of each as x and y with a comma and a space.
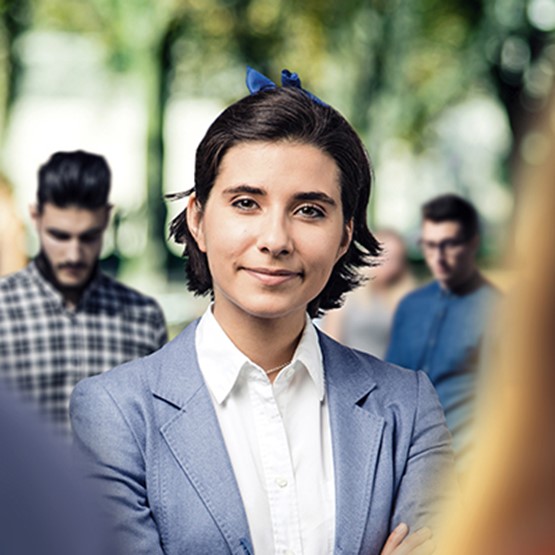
286, 114
453, 208
75, 178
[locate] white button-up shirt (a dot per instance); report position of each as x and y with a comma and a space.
278, 439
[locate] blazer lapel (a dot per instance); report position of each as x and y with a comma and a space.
356, 439
193, 435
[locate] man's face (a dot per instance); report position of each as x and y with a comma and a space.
71, 240
450, 257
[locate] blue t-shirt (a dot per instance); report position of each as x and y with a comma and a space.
440, 332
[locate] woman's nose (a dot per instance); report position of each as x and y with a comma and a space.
274, 235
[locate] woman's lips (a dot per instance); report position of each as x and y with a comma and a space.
272, 277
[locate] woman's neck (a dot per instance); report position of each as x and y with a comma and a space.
268, 342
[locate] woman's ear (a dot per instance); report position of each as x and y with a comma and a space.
194, 221
346, 239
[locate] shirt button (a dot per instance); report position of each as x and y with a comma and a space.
281, 482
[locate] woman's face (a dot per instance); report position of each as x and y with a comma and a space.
272, 229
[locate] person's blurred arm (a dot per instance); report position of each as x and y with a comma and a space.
44, 506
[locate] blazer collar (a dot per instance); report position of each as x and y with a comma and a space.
178, 376
356, 439
194, 437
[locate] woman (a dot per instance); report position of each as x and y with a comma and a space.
364, 321
252, 432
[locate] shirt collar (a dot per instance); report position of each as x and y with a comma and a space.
39, 274
309, 355
221, 361
45, 285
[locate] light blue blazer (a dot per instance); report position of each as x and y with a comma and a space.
147, 433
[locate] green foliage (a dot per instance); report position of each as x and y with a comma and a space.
391, 66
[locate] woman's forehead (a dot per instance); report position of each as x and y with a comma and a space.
279, 165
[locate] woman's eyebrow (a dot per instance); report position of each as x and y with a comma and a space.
316, 196
244, 189
305, 195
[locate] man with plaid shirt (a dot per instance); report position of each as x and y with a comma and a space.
61, 318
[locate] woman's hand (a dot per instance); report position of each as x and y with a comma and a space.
401, 543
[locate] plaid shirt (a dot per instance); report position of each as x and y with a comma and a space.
46, 348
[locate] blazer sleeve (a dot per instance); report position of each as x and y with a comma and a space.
110, 455
427, 483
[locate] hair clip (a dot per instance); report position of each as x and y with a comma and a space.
257, 82
179, 195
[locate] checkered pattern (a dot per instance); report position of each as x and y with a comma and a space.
45, 349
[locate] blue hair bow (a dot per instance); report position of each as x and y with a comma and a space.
257, 82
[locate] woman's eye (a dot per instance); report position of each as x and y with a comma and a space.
310, 211
245, 203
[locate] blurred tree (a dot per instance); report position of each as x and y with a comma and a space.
390, 66
136, 35
14, 20
417, 58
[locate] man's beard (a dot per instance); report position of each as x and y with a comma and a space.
45, 267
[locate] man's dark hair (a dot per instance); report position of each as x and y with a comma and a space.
452, 208
286, 114
76, 178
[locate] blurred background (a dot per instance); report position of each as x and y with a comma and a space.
443, 93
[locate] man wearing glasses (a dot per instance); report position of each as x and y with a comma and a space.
439, 328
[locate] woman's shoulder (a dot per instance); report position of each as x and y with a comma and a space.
362, 366
145, 372
382, 389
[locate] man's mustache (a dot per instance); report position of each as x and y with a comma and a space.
72, 266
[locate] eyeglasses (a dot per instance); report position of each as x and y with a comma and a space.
447, 246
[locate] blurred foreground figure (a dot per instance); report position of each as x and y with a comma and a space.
510, 498
440, 327
61, 318
364, 321
12, 233
44, 508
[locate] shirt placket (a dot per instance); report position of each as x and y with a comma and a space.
435, 330
277, 467
76, 349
